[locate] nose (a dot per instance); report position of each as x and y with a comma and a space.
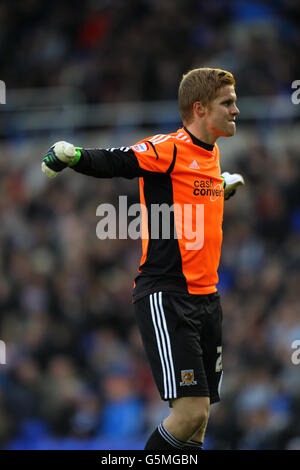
235, 110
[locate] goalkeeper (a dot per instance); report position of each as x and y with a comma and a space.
176, 303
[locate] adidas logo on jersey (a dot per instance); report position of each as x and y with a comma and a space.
194, 165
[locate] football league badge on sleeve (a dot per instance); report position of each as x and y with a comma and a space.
141, 147
187, 377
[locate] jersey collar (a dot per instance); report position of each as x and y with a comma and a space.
198, 142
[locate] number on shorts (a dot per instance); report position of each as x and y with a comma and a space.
219, 360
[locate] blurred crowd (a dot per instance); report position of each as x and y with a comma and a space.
76, 375
116, 50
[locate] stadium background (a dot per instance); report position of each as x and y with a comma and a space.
105, 73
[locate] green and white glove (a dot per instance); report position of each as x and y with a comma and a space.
231, 183
59, 156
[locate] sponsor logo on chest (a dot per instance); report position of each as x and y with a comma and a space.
208, 188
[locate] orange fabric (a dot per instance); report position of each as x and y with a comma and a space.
145, 234
198, 196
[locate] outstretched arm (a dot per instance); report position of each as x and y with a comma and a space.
144, 158
99, 163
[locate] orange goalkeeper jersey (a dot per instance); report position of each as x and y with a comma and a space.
183, 174
182, 197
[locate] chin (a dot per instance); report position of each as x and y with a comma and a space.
227, 134
230, 133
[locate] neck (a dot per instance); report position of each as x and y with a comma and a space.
201, 133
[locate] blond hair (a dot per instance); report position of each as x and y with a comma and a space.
201, 85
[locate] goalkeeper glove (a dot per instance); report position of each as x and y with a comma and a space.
58, 157
231, 182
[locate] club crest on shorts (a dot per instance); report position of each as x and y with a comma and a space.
187, 377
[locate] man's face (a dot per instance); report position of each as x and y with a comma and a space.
220, 114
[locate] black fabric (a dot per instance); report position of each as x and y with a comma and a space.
157, 442
199, 142
194, 445
102, 163
171, 167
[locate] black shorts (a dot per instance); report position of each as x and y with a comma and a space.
182, 337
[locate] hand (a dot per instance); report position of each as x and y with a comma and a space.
231, 182
58, 157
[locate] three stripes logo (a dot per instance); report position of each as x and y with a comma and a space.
194, 165
163, 344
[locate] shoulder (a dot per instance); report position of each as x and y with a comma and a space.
158, 141
155, 153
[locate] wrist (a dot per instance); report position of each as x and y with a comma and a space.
77, 156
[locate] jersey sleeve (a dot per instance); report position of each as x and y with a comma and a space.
108, 163
155, 154
147, 156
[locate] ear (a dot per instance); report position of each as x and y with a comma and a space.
198, 109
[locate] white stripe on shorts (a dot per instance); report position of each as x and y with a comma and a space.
164, 345
220, 384
159, 346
